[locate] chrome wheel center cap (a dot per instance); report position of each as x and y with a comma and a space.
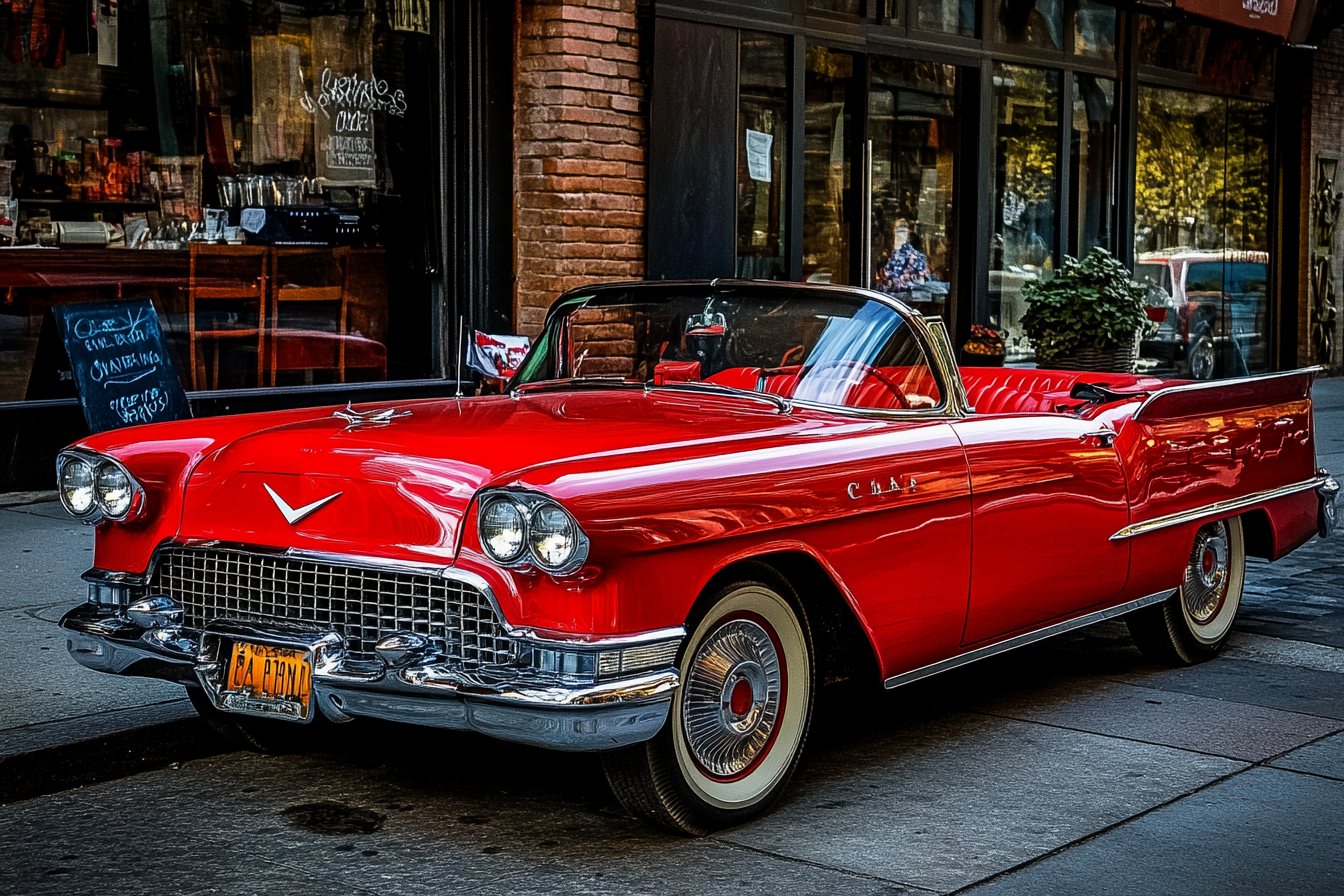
744, 696
731, 698
1206, 576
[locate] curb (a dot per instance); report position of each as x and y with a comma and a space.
118, 754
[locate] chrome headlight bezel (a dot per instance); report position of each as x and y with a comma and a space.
98, 463
528, 506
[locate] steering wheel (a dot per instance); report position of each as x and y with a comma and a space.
867, 371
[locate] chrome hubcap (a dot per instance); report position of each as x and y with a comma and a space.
1206, 576
731, 698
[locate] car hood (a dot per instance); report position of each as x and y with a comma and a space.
400, 485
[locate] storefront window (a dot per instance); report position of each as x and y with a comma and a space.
848, 7
1202, 231
1032, 23
762, 156
947, 16
831, 89
1092, 164
1227, 59
1094, 30
1026, 152
263, 173
913, 126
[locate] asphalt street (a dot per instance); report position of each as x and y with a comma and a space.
1072, 766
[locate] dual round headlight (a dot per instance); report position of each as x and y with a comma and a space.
517, 528
89, 484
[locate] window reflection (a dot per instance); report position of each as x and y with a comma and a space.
1026, 144
848, 7
1228, 59
826, 166
1092, 176
1032, 23
947, 16
1202, 231
911, 119
1094, 30
762, 156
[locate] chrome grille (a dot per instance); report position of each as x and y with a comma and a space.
363, 605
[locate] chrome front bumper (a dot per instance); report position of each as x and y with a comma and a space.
403, 685
1328, 515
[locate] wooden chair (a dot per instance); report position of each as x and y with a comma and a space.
287, 345
221, 274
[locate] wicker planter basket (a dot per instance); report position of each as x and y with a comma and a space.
1117, 359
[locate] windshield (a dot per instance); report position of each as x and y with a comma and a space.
807, 345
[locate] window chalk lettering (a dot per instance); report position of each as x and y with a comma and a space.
347, 93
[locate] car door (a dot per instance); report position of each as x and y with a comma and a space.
1046, 496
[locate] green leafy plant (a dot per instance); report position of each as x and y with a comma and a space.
1090, 302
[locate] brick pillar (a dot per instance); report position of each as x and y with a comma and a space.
1327, 135
581, 126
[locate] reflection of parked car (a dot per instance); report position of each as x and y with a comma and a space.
1216, 301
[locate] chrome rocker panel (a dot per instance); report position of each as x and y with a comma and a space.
529, 708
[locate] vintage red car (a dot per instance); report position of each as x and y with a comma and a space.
695, 503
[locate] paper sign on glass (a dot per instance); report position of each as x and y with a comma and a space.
758, 155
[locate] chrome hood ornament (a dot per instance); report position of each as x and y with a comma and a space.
355, 418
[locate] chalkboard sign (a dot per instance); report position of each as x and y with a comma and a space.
121, 368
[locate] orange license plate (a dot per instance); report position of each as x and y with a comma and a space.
272, 674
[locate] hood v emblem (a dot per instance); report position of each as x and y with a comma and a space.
293, 515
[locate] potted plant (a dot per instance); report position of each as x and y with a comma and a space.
985, 348
1089, 317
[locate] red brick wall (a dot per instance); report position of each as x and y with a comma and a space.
580, 142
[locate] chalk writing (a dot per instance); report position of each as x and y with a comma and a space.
140, 407
351, 92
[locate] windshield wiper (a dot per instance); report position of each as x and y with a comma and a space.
783, 404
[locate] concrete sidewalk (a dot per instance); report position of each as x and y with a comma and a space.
63, 725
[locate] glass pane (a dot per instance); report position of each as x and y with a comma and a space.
947, 16
762, 156
1229, 59
1094, 30
806, 345
1032, 23
1202, 231
911, 119
1026, 161
1092, 177
848, 7
826, 166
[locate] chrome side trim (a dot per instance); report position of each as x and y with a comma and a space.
1049, 631
1217, 384
1232, 505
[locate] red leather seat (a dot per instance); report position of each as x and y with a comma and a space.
1008, 390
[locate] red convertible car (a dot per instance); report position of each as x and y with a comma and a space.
696, 503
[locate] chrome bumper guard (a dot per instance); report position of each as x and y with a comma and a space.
1328, 517
407, 682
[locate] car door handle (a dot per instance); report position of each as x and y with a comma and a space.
1105, 436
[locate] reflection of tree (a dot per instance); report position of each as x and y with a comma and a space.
1202, 172
1030, 133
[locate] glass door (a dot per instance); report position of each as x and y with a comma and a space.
913, 135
